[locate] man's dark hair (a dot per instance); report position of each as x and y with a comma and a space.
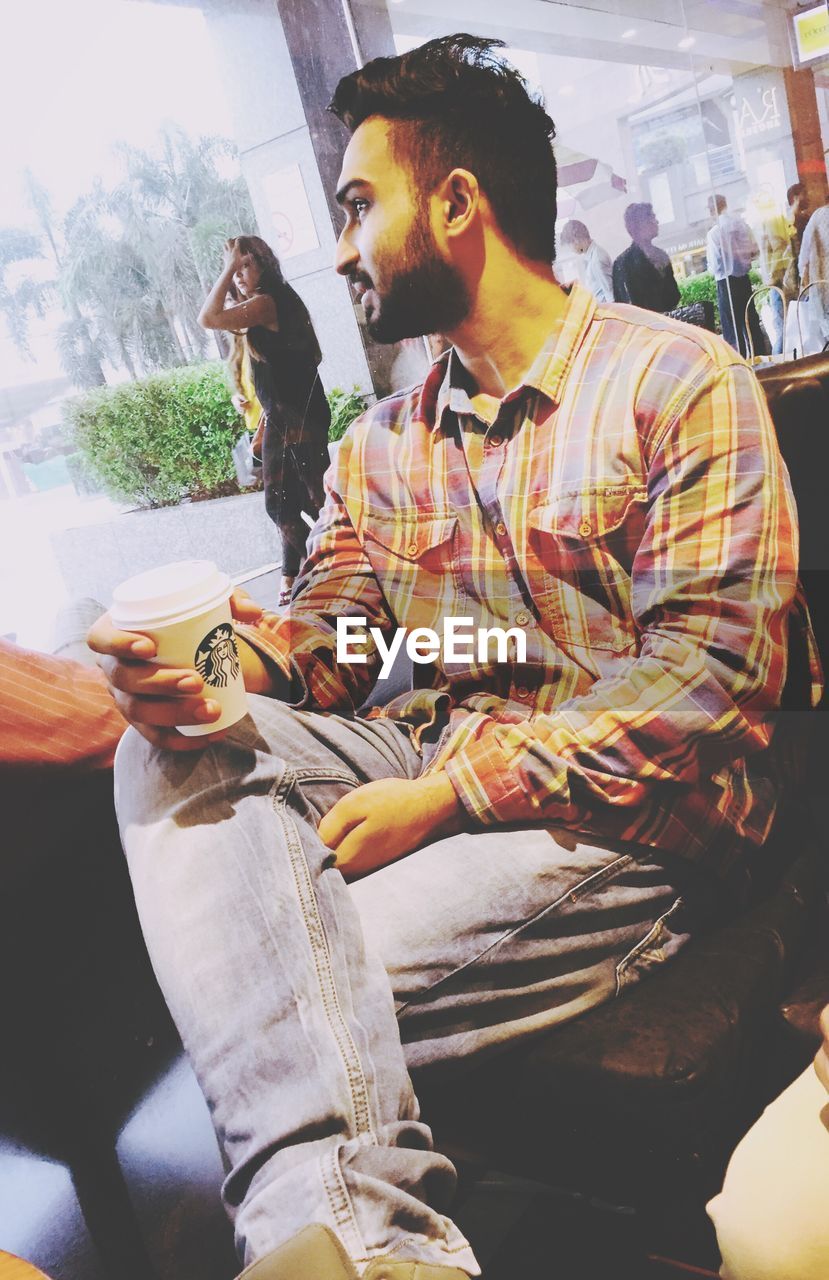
635, 215
795, 190
461, 106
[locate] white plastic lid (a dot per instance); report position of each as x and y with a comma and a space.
171, 593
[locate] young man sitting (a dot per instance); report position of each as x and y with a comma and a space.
540, 825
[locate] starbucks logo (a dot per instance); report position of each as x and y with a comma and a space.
217, 658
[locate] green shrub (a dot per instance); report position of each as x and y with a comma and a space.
161, 439
701, 288
345, 407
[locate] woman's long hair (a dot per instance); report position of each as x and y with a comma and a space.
270, 281
294, 320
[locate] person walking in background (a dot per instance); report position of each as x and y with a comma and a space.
814, 271
800, 212
777, 265
643, 274
284, 357
731, 249
593, 263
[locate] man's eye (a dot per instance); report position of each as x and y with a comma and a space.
360, 207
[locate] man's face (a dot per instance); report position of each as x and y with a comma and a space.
387, 248
650, 225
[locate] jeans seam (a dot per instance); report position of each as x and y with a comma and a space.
328, 775
658, 924
338, 1196
578, 891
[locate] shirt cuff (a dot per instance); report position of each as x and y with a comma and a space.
290, 686
488, 788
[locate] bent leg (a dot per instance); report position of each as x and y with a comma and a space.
492, 936
772, 1215
288, 1019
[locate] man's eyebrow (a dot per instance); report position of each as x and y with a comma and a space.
346, 189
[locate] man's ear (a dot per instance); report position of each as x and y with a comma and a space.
460, 198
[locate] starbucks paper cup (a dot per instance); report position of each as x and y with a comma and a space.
185, 608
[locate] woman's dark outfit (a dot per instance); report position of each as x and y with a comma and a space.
297, 416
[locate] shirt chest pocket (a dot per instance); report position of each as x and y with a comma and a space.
581, 548
415, 556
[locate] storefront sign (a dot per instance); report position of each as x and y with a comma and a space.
686, 246
811, 33
760, 107
758, 112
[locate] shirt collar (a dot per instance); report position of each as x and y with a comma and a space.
547, 372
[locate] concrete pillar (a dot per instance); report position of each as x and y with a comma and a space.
326, 40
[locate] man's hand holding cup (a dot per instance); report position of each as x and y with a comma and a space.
177, 671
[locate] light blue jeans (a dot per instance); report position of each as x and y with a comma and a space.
303, 1001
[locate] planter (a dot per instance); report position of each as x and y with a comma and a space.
235, 532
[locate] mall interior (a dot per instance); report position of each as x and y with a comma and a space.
667, 102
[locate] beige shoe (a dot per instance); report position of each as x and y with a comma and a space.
316, 1254
384, 1269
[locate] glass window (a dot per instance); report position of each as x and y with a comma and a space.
123, 179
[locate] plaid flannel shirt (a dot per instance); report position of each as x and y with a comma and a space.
627, 508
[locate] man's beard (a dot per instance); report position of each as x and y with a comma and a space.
424, 293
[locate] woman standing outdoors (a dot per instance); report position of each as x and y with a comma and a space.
284, 357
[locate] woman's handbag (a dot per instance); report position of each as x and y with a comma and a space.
247, 471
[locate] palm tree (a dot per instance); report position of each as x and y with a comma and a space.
182, 189
132, 264
17, 301
81, 354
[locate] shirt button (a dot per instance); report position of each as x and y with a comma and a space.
500, 528
522, 691
585, 528
411, 550
495, 440
522, 619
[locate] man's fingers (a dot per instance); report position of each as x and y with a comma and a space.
104, 638
166, 712
243, 608
352, 850
144, 677
340, 820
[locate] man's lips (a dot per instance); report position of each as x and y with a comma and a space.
361, 288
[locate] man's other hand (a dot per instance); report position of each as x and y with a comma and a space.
384, 820
153, 699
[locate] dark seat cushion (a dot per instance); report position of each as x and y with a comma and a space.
650, 1086
40, 1217
170, 1160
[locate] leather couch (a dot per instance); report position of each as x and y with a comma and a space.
108, 1162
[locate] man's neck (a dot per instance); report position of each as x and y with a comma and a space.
516, 308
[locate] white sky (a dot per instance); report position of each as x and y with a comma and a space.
78, 76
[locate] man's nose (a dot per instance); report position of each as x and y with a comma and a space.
346, 256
